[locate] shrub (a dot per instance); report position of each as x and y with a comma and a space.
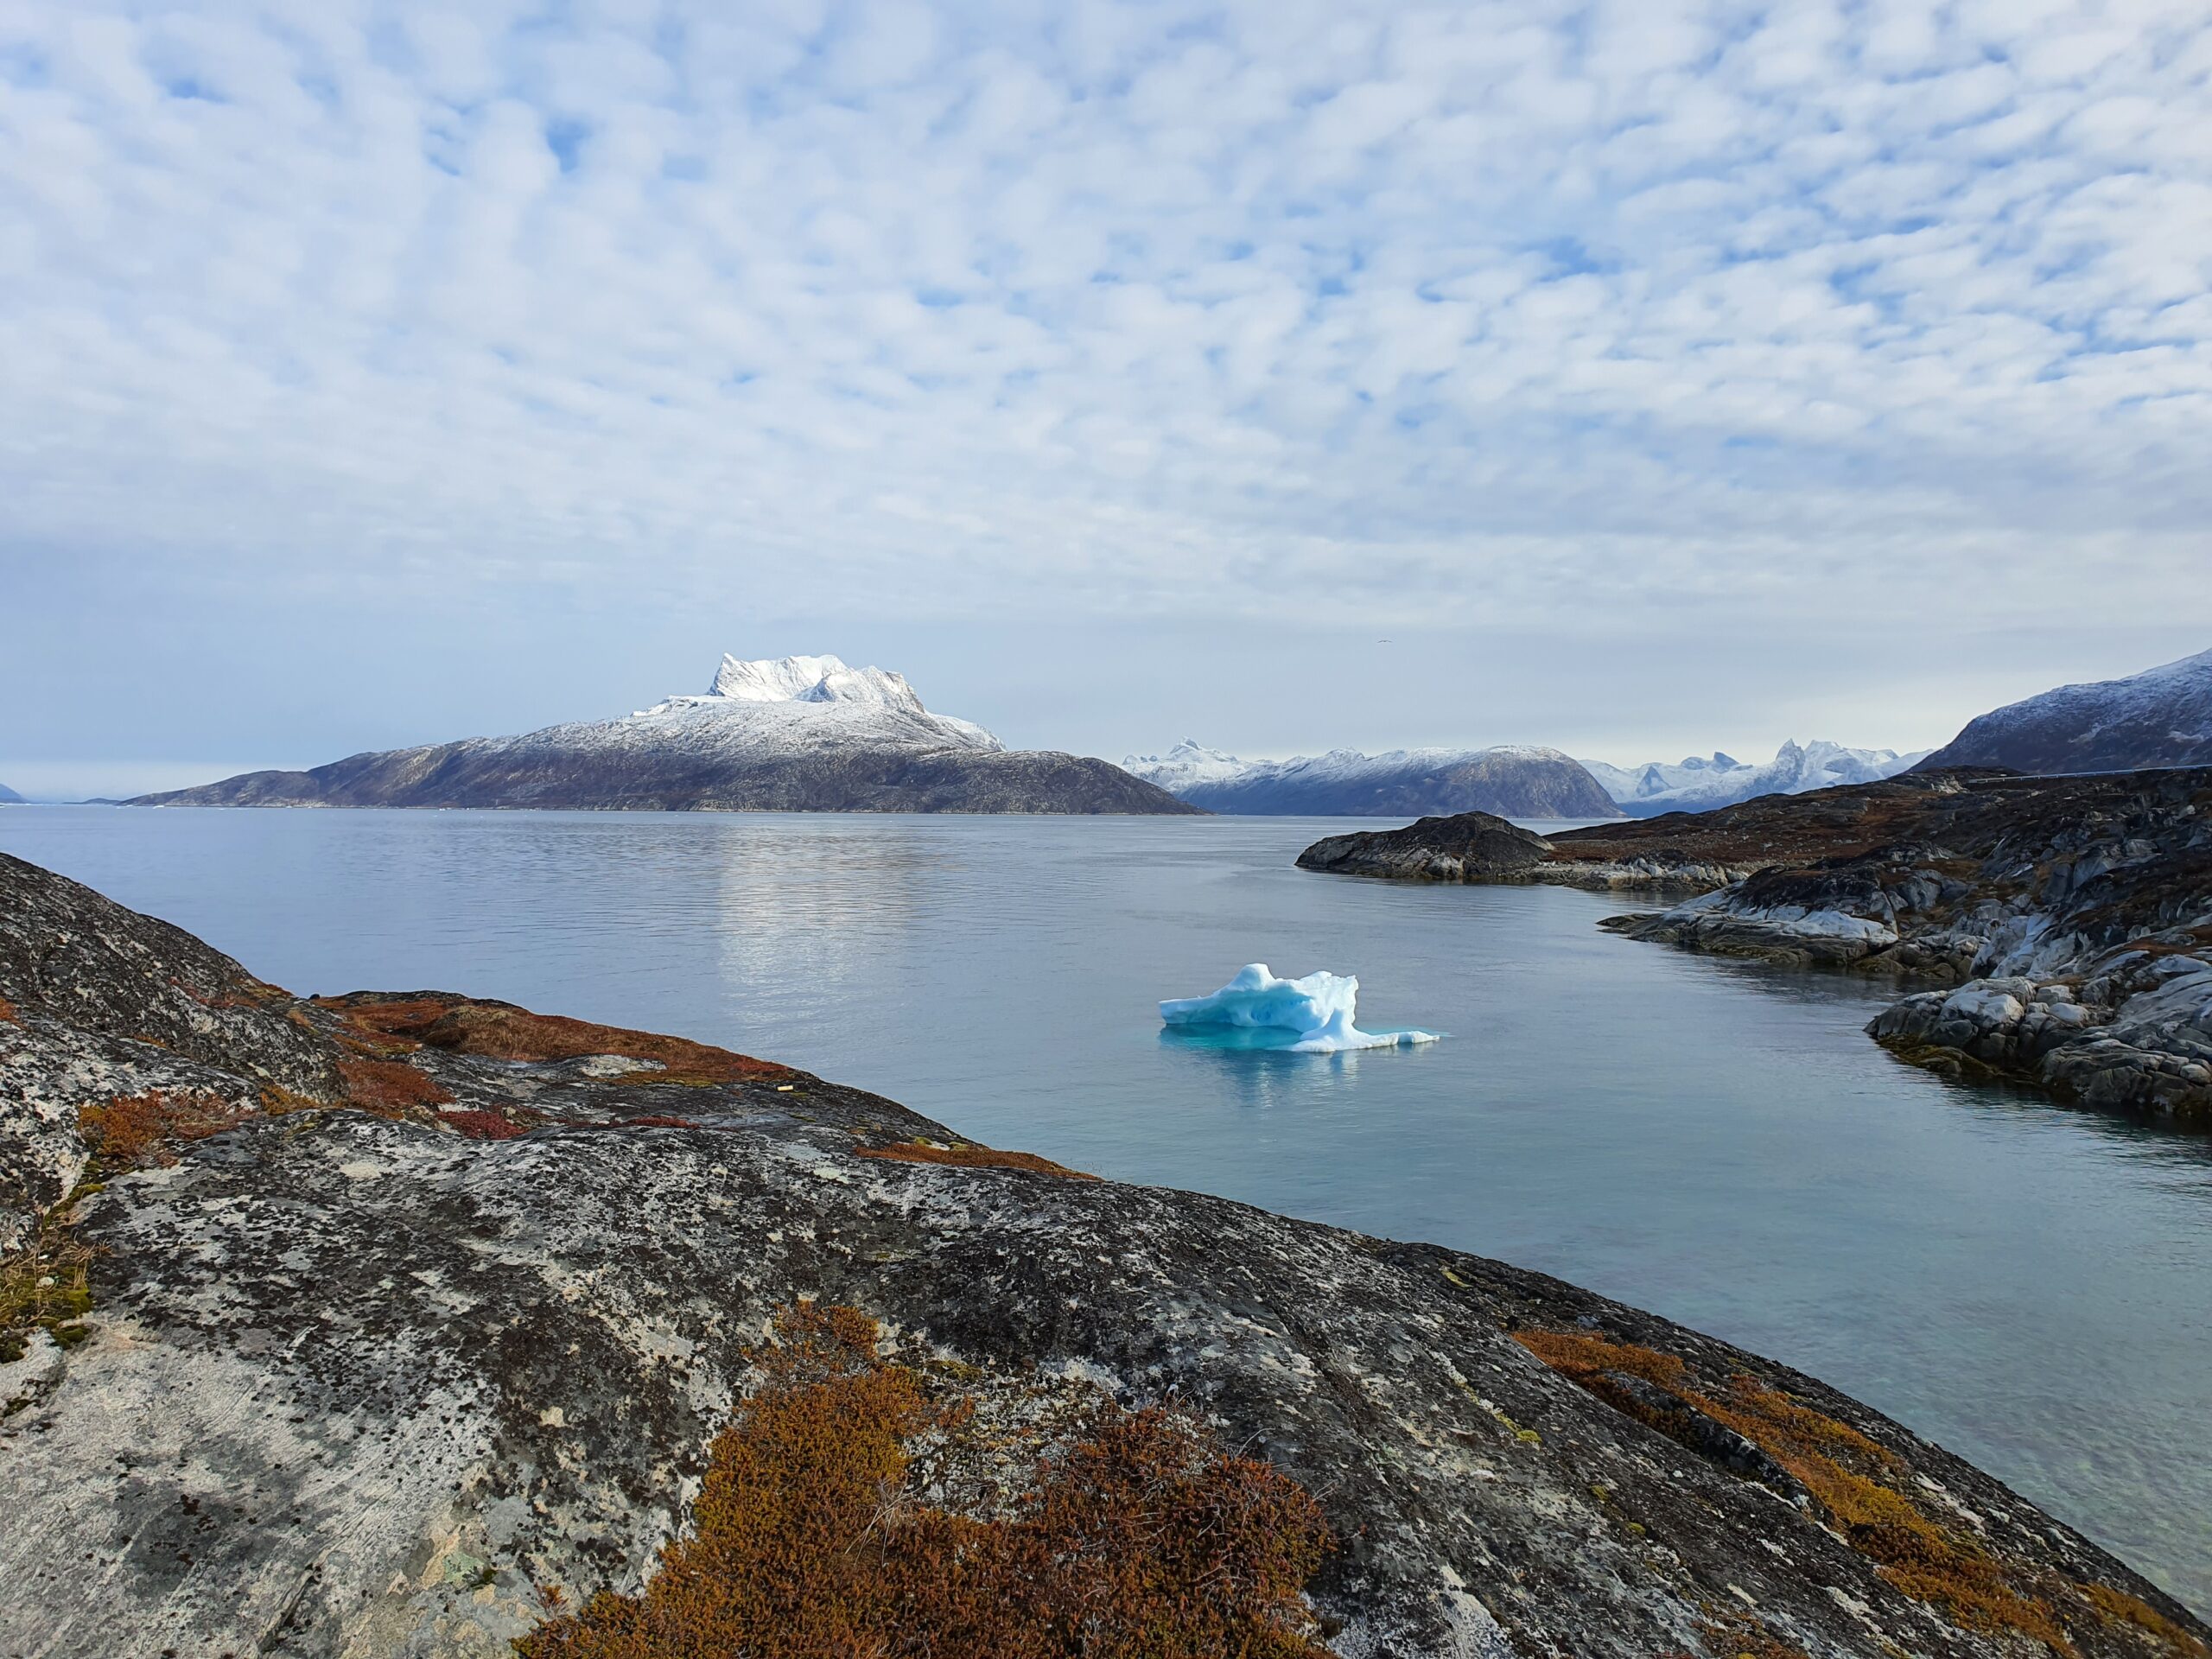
1143, 1541
500, 1031
389, 1087
921, 1152
134, 1131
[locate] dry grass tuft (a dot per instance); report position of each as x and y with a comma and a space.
1143, 1541
45, 1285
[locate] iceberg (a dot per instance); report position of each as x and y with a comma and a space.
1313, 1015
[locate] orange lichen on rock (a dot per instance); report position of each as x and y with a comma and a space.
922, 1151
500, 1031
1862, 1486
389, 1087
1142, 1541
8, 1011
136, 1131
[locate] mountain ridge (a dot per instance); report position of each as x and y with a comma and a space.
2160, 717
793, 733
1510, 779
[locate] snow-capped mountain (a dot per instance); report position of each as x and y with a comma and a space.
1512, 780
1189, 762
1700, 782
792, 734
2161, 717
786, 701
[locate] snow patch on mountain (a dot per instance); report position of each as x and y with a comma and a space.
1699, 783
784, 703
2161, 717
1189, 762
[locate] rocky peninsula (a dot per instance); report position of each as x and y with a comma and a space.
2067, 921
403, 1323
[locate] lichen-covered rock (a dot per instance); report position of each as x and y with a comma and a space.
387, 1379
83, 961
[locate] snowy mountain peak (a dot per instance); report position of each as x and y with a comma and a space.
808, 701
1189, 762
1698, 783
812, 679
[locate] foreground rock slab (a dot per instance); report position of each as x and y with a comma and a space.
388, 1358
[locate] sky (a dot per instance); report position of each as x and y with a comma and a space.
1638, 377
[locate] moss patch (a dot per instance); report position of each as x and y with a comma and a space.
1143, 1539
44, 1287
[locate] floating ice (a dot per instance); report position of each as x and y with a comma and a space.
1313, 1015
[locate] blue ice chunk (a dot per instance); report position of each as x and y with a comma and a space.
1313, 1015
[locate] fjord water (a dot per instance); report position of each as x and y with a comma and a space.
2029, 1285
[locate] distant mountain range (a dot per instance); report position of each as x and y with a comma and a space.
1698, 783
1512, 781
8, 797
2161, 717
788, 734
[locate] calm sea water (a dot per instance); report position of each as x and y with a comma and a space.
2029, 1285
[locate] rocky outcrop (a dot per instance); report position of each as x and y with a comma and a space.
1465, 847
398, 1371
2161, 717
2093, 893
2074, 917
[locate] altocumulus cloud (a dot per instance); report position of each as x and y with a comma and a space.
1787, 310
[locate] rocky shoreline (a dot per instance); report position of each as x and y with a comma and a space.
390, 1324
2069, 920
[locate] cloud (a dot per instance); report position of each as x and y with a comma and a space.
1517, 313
